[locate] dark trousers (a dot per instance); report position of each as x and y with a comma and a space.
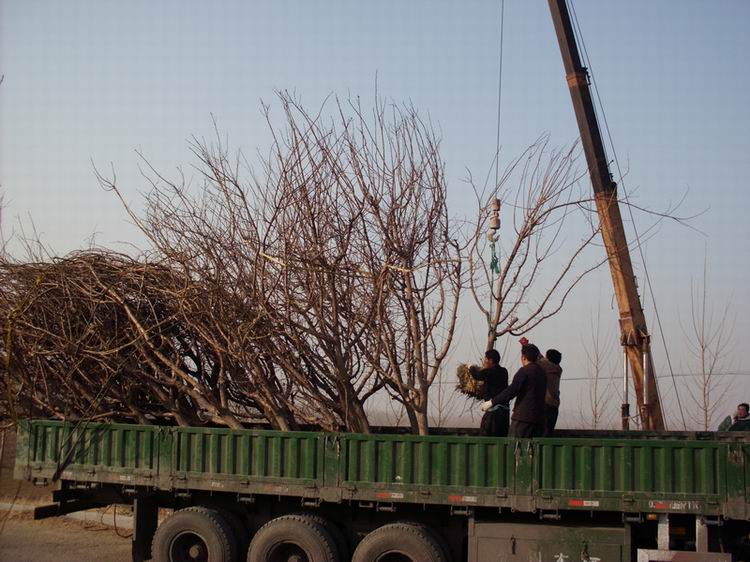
495, 424
525, 429
550, 419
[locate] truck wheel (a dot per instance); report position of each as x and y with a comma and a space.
194, 534
439, 539
342, 546
399, 542
292, 538
240, 531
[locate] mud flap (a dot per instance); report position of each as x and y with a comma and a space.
145, 520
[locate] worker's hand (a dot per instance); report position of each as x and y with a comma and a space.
484, 406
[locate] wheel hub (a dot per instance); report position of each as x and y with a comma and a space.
188, 547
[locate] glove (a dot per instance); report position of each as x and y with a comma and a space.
484, 406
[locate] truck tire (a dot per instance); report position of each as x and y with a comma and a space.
342, 546
432, 532
402, 542
240, 531
292, 537
194, 534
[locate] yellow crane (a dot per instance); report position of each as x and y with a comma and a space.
634, 335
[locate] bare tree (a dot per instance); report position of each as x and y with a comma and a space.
396, 163
338, 252
596, 412
395, 413
708, 338
278, 249
294, 295
528, 274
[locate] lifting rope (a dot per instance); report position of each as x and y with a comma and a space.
495, 224
499, 93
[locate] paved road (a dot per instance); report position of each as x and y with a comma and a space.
60, 540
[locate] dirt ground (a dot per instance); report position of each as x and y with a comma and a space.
51, 540
60, 540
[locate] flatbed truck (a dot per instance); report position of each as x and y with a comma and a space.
311, 496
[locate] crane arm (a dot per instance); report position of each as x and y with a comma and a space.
634, 334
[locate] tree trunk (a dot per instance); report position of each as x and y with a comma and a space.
420, 412
356, 419
412, 415
423, 424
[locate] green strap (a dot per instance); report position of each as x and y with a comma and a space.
494, 261
494, 269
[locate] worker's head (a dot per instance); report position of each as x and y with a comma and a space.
553, 356
491, 358
742, 410
529, 353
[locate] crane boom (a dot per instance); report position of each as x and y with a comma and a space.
634, 335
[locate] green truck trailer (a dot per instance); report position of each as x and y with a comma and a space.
262, 495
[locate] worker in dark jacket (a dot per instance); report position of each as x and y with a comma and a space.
741, 419
529, 388
495, 422
551, 365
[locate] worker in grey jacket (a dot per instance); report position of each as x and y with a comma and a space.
551, 365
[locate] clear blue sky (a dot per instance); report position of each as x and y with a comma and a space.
94, 80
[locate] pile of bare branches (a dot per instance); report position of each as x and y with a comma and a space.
99, 335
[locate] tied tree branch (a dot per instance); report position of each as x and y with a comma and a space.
546, 231
547, 242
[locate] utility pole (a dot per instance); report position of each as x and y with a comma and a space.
634, 335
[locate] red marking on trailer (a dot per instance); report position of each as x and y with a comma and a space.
583, 503
389, 495
462, 499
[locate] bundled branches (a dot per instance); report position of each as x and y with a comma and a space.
99, 335
467, 384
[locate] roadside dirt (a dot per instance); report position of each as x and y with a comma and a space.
60, 540
51, 540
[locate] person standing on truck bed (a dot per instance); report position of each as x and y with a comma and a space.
741, 419
551, 365
529, 388
494, 423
